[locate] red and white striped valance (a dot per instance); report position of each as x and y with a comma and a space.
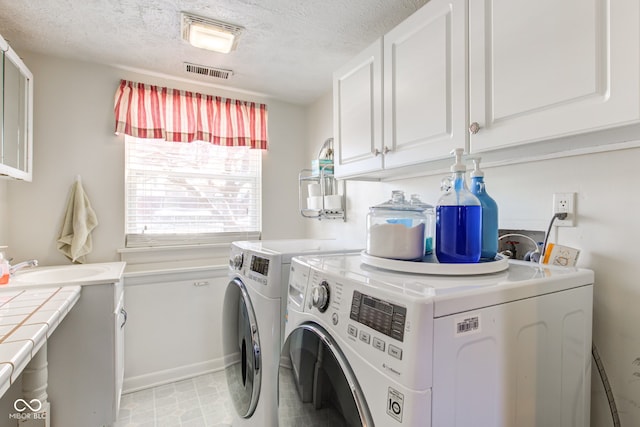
146, 111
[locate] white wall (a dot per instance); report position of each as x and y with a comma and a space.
73, 135
606, 232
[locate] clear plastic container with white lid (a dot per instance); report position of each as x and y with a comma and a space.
400, 229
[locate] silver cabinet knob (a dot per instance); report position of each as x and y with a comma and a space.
320, 296
386, 150
376, 152
474, 128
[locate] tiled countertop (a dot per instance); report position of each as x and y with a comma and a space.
28, 317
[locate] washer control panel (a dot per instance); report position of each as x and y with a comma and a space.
379, 315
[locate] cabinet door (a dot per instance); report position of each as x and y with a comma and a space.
357, 109
16, 116
82, 361
425, 84
545, 69
120, 319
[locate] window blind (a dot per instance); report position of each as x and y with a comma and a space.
190, 192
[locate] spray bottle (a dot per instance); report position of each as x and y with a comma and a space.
5, 268
489, 213
458, 219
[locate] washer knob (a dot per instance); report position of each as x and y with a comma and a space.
320, 296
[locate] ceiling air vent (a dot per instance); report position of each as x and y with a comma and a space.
203, 70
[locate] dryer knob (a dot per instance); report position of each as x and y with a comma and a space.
237, 261
320, 296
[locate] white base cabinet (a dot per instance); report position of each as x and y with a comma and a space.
86, 356
174, 328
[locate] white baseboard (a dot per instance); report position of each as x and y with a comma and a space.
166, 376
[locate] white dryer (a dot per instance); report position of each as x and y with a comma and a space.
370, 347
253, 319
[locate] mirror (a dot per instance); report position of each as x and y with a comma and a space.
17, 115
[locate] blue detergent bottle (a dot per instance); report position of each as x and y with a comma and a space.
458, 219
489, 213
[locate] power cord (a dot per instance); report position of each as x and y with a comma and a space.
559, 215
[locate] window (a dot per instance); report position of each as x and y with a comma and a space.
188, 193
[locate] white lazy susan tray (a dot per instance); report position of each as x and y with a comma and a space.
430, 265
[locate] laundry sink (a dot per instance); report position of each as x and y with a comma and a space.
68, 274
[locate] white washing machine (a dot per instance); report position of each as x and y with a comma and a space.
253, 319
370, 347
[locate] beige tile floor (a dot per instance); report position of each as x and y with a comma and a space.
197, 402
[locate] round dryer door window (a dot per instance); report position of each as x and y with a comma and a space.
241, 346
317, 387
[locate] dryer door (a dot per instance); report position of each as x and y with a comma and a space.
241, 347
318, 388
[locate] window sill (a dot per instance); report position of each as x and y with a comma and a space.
149, 260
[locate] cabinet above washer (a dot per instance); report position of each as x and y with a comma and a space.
511, 80
547, 69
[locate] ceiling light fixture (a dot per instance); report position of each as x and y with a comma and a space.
210, 34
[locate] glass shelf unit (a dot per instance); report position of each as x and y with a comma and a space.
323, 205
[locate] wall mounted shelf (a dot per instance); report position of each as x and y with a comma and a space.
319, 196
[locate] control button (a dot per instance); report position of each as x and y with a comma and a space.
399, 335
395, 351
400, 318
334, 318
365, 337
378, 343
352, 330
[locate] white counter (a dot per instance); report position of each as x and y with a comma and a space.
27, 318
64, 275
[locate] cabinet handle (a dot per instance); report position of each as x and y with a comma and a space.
474, 128
124, 313
377, 152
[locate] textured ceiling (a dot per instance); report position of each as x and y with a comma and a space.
288, 51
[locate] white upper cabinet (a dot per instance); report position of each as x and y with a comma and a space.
547, 69
527, 78
357, 113
420, 97
16, 115
425, 84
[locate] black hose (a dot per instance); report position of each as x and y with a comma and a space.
607, 387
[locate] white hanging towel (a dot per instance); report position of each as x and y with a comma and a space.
79, 220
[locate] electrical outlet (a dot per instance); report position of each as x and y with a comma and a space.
565, 203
